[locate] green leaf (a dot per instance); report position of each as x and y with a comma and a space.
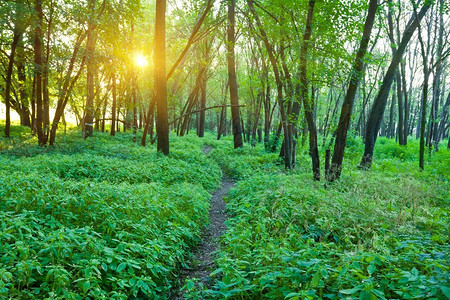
217, 271
371, 269
446, 291
367, 295
352, 291
121, 267
315, 280
292, 296
86, 286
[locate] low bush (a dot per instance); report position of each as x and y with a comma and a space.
374, 234
99, 218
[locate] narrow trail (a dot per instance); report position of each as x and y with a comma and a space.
203, 262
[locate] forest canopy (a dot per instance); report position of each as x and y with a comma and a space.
298, 68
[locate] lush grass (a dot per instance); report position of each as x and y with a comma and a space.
99, 218
106, 218
381, 233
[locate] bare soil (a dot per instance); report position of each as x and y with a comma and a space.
203, 262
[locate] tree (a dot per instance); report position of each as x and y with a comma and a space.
279, 84
162, 124
355, 76
90, 48
308, 103
16, 38
194, 37
379, 105
234, 100
42, 137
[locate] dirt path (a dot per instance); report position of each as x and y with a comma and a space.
203, 262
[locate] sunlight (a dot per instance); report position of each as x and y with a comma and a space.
140, 60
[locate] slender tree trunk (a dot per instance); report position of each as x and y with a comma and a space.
398, 82
135, 107
113, 108
68, 85
405, 105
280, 100
45, 74
22, 76
234, 100
33, 104
423, 117
379, 105
309, 104
90, 47
434, 138
443, 119
38, 71
347, 107
162, 124
15, 41
201, 122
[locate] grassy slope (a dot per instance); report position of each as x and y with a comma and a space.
119, 220
381, 233
102, 218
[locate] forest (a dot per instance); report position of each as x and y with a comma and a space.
224, 149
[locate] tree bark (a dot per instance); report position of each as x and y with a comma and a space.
113, 106
68, 85
309, 104
42, 139
234, 100
14, 43
162, 124
90, 47
379, 105
347, 107
280, 100
201, 122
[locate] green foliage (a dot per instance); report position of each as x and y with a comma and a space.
380, 234
245, 162
100, 218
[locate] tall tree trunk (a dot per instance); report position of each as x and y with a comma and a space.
309, 104
423, 117
405, 105
355, 76
14, 43
90, 47
426, 73
45, 73
398, 82
234, 100
22, 76
201, 122
180, 59
390, 132
135, 107
434, 138
279, 83
113, 108
444, 116
38, 71
67, 87
162, 124
379, 105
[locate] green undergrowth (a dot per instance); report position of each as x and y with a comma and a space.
99, 218
378, 234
